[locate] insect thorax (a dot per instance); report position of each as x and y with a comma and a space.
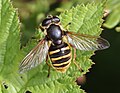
54, 33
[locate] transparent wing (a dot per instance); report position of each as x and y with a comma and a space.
35, 56
86, 42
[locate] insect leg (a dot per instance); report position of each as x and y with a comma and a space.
66, 27
37, 36
49, 65
74, 61
40, 27
48, 72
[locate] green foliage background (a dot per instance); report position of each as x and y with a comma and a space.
84, 19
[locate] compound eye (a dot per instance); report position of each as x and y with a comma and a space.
55, 19
46, 22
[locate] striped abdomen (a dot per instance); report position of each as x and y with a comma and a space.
60, 56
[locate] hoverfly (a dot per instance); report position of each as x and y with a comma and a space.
57, 45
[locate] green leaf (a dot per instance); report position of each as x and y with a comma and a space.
84, 19
9, 46
9, 37
118, 29
113, 18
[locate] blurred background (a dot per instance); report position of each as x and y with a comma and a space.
104, 76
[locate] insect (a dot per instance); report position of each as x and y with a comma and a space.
56, 45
